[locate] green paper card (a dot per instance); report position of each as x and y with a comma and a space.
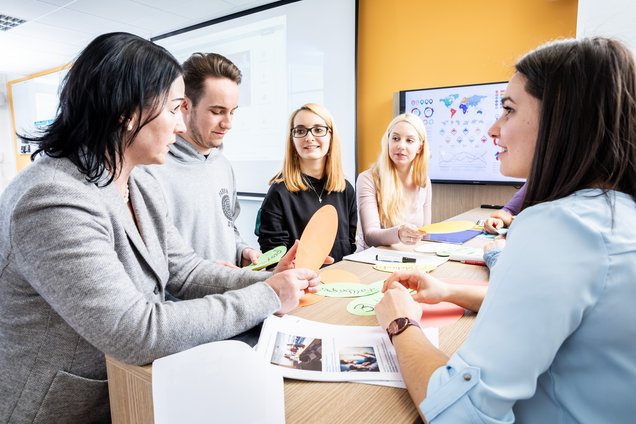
268, 258
347, 289
364, 306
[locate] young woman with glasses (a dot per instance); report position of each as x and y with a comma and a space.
394, 195
311, 177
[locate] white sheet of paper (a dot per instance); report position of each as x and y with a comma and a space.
217, 382
432, 247
369, 256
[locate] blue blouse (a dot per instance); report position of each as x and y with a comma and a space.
555, 338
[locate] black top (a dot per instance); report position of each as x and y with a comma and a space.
284, 216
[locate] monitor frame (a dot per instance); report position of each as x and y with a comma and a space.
434, 141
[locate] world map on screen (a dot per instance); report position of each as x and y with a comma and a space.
451, 103
457, 120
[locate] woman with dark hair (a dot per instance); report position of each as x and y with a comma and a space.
556, 332
87, 251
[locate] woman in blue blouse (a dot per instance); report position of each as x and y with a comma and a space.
556, 332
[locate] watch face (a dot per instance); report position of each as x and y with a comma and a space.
397, 324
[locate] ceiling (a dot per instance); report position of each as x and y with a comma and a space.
55, 31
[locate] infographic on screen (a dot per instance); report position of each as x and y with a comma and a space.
457, 120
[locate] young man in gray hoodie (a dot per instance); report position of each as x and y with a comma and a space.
197, 179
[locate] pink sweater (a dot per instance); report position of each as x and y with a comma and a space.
370, 232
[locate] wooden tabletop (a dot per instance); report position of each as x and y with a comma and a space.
130, 386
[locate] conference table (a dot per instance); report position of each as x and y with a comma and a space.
130, 386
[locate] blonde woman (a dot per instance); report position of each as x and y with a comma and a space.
311, 177
394, 195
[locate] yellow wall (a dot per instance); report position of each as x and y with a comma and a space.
408, 44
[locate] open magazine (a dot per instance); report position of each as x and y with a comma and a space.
310, 350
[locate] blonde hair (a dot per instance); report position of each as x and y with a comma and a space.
291, 174
388, 186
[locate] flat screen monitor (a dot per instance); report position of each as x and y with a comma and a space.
457, 120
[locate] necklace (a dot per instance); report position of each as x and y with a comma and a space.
126, 195
311, 186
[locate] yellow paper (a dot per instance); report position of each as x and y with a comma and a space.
445, 227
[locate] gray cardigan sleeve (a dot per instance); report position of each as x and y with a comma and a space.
72, 250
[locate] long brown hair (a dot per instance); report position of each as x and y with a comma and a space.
587, 123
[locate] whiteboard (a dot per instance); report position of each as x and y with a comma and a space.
291, 54
34, 100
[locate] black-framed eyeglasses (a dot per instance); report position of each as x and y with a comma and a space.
317, 131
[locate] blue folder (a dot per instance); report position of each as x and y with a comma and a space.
458, 237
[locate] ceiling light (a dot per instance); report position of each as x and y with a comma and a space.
8, 22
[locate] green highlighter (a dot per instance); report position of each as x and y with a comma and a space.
268, 258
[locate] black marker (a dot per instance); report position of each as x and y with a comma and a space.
397, 259
491, 207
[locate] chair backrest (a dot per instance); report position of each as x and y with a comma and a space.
257, 226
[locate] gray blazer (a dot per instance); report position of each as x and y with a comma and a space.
77, 280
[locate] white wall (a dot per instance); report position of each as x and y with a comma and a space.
613, 18
247, 219
249, 205
7, 151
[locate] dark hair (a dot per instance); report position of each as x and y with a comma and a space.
587, 123
201, 66
115, 76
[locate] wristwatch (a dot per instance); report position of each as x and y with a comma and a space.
398, 325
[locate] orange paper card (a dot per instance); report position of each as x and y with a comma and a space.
334, 275
317, 238
309, 299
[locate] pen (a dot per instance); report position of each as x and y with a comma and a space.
383, 258
402, 259
474, 263
491, 206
